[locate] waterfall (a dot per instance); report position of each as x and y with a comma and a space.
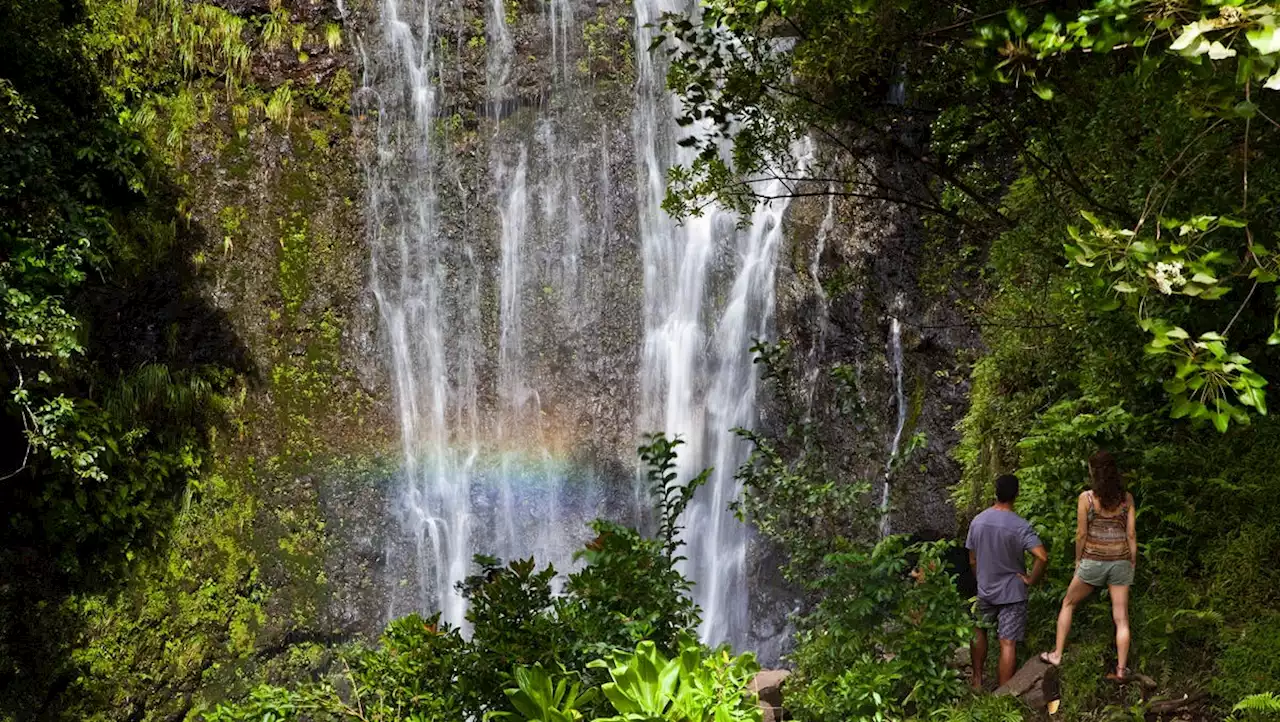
537, 321
895, 360
823, 318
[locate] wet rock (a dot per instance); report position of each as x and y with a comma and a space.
768, 686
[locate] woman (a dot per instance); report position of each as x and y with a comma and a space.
1106, 555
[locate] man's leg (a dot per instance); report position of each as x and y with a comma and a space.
1013, 629
1008, 659
978, 657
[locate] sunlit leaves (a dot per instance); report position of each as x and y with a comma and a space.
1210, 382
1022, 48
1191, 258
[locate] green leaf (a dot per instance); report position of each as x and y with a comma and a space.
1265, 40
1182, 406
1190, 34
1124, 287
1043, 91
1017, 21
1218, 51
1220, 420
1273, 83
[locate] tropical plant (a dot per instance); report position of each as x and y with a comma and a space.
629, 590
879, 644
696, 685
1258, 706
539, 698
670, 495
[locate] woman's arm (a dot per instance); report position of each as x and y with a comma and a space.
1133, 533
1082, 524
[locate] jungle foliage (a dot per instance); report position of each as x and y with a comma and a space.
615, 646
1114, 163
116, 370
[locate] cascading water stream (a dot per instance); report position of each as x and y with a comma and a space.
823, 318
895, 360
493, 314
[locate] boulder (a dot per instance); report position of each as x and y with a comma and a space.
767, 684
1036, 684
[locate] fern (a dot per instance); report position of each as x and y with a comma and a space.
984, 709
280, 106
275, 29
1258, 706
333, 36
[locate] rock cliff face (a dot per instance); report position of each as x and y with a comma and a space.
854, 267
531, 156
276, 554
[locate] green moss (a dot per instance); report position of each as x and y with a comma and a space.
294, 252
609, 52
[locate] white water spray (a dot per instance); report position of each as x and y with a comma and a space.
895, 360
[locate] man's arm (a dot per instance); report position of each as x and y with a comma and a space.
1037, 571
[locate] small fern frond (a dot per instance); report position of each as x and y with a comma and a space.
1267, 704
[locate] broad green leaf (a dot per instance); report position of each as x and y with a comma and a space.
1265, 40
1220, 420
1017, 21
1190, 33
1124, 287
1218, 51
1182, 407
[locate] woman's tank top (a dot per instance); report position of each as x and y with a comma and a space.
1107, 536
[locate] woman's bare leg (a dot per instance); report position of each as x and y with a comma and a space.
1077, 592
1120, 613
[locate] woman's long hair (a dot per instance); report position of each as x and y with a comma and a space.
1108, 487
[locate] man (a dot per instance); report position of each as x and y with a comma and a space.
998, 542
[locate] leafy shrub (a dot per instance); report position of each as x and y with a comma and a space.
879, 644
629, 591
417, 668
1258, 707
985, 708
1239, 583
512, 614
696, 685
538, 698
1250, 660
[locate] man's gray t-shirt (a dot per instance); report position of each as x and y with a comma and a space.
1001, 539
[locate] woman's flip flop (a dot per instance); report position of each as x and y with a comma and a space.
1121, 678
